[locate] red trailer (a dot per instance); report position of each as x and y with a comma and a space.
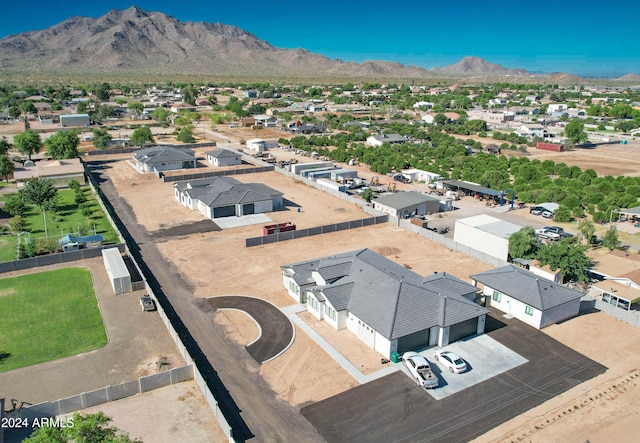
280, 227
549, 147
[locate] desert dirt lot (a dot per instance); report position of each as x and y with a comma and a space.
301, 374
603, 409
178, 413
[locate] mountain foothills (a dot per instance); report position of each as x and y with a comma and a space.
134, 41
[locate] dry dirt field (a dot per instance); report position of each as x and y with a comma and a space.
175, 413
602, 410
238, 269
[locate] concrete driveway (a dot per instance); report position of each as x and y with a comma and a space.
394, 409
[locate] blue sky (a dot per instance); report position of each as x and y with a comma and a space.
581, 37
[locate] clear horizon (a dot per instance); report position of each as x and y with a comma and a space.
571, 36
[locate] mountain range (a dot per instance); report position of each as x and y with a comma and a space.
134, 41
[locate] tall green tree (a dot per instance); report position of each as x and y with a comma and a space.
610, 239
186, 135
63, 144
101, 138
28, 143
4, 146
89, 428
574, 131
567, 255
524, 243
141, 136
587, 229
6, 167
135, 108
161, 115
41, 193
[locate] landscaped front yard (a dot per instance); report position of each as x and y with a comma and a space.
68, 219
47, 316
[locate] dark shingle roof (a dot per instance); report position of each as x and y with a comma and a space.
162, 154
526, 287
224, 191
385, 295
222, 153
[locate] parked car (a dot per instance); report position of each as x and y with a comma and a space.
450, 360
550, 232
547, 214
147, 303
536, 210
420, 370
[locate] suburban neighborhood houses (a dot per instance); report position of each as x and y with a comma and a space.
307, 237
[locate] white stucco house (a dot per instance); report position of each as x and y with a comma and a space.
387, 306
380, 139
530, 298
227, 197
164, 158
223, 157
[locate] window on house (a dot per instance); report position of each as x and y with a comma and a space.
497, 296
528, 310
314, 303
330, 312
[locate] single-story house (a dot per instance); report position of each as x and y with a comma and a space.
71, 120
418, 175
164, 158
379, 139
256, 144
534, 300
60, 172
387, 306
485, 233
406, 204
223, 157
227, 197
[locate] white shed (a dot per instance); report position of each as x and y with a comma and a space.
117, 270
256, 144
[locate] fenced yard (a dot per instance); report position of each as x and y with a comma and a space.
68, 218
48, 315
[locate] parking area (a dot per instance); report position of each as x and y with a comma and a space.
484, 356
393, 408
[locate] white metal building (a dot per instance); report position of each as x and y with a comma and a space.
119, 276
486, 234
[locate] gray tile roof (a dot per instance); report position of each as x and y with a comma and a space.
401, 200
385, 295
526, 287
390, 138
163, 154
224, 191
222, 153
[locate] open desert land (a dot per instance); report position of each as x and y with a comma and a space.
601, 410
218, 263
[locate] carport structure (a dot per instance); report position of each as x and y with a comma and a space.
276, 330
474, 189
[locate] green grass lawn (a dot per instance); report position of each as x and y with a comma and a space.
66, 220
47, 316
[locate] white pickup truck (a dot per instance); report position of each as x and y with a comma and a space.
420, 370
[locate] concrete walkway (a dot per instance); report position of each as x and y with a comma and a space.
292, 313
